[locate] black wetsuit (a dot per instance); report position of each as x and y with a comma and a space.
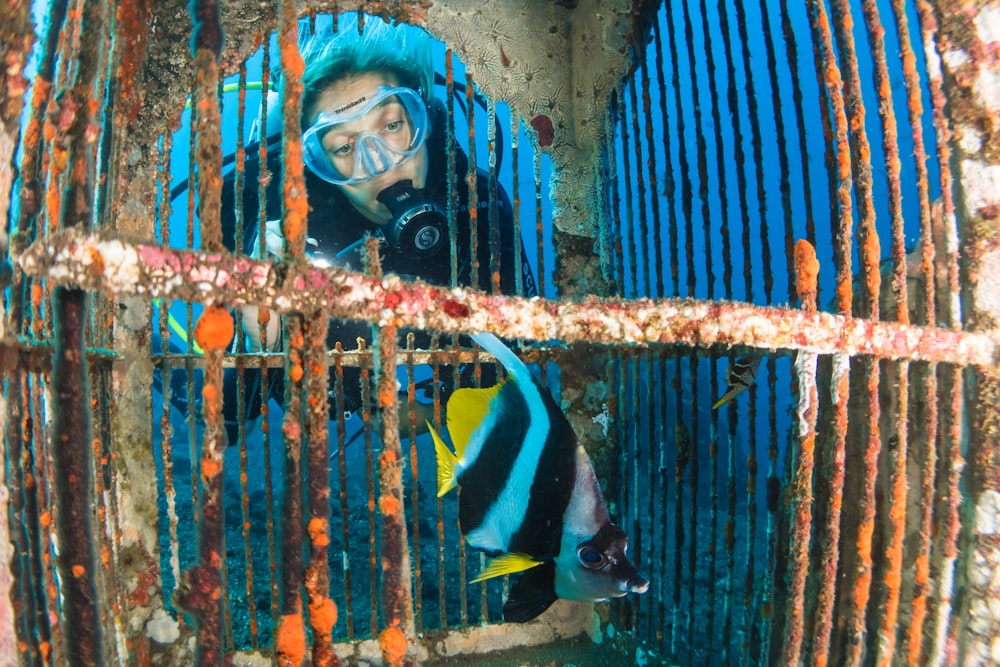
335, 225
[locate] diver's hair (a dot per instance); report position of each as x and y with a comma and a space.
399, 50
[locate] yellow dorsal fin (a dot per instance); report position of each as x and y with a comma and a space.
466, 410
445, 462
506, 564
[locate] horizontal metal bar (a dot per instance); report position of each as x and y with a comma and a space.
98, 262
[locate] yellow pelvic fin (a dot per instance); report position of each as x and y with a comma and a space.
445, 462
728, 396
466, 410
506, 564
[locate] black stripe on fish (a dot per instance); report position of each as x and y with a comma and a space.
487, 476
555, 475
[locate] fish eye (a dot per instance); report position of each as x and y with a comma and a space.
591, 557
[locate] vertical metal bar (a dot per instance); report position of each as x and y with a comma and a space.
20, 633
471, 182
651, 166
71, 419
668, 184
801, 489
628, 230
641, 286
834, 89
869, 251
942, 567
290, 636
365, 359
616, 249
166, 371
72, 482
664, 485
411, 412
439, 505
755, 142
204, 581
338, 369
495, 258
322, 609
912, 633
263, 317
653, 455
515, 195
783, 160
840, 381
630, 488
450, 150
792, 61
539, 231
22, 599
397, 605
897, 454
868, 241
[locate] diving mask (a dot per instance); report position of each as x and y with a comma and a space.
367, 137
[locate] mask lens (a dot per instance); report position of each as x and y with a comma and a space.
374, 135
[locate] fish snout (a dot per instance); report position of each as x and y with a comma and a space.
636, 584
629, 578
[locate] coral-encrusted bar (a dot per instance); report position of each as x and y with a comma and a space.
103, 263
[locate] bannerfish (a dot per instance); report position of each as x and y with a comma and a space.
741, 375
529, 496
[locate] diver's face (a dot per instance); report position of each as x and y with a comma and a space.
344, 94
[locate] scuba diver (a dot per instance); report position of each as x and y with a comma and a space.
375, 149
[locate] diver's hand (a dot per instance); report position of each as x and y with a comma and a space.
274, 240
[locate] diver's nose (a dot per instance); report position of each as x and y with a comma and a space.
373, 157
637, 584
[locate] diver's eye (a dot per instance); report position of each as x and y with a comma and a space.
591, 557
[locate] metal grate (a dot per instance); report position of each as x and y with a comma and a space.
691, 189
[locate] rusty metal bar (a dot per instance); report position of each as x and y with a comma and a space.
950, 462
539, 231
82, 632
22, 600
625, 230
411, 413
783, 160
366, 416
72, 482
449, 73
471, 181
657, 222
338, 390
119, 267
668, 184
322, 609
203, 584
834, 85
515, 195
868, 241
651, 463
792, 61
397, 605
290, 634
495, 258
801, 489
641, 257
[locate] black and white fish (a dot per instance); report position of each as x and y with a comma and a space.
741, 375
529, 496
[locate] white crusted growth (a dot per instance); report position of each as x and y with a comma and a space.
162, 628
